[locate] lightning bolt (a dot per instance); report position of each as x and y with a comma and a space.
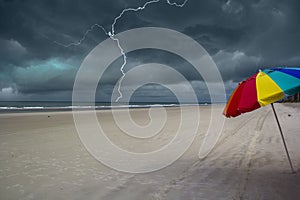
83, 37
176, 4
111, 35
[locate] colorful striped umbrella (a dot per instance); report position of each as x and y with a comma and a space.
263, 88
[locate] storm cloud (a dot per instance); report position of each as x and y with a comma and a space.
241, 37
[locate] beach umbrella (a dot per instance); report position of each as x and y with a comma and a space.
264, 88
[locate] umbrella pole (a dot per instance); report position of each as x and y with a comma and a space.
282, 137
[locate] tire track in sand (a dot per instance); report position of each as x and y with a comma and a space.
162, 193
246, 162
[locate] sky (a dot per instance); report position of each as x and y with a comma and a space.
240, 36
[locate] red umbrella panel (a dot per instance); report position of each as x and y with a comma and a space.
242, 101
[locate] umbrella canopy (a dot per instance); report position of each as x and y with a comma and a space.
263, 88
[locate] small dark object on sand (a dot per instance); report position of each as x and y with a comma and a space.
48, 116
289, 115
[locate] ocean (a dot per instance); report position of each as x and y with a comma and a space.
43, 106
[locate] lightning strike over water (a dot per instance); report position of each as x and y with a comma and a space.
111, 35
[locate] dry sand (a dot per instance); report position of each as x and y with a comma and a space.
42, 157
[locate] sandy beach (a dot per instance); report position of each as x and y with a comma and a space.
42, 157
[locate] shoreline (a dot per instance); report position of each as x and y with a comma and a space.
68, 110
47, 110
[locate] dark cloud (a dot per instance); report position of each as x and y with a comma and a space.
241, 36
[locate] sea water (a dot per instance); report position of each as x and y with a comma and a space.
40, 106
